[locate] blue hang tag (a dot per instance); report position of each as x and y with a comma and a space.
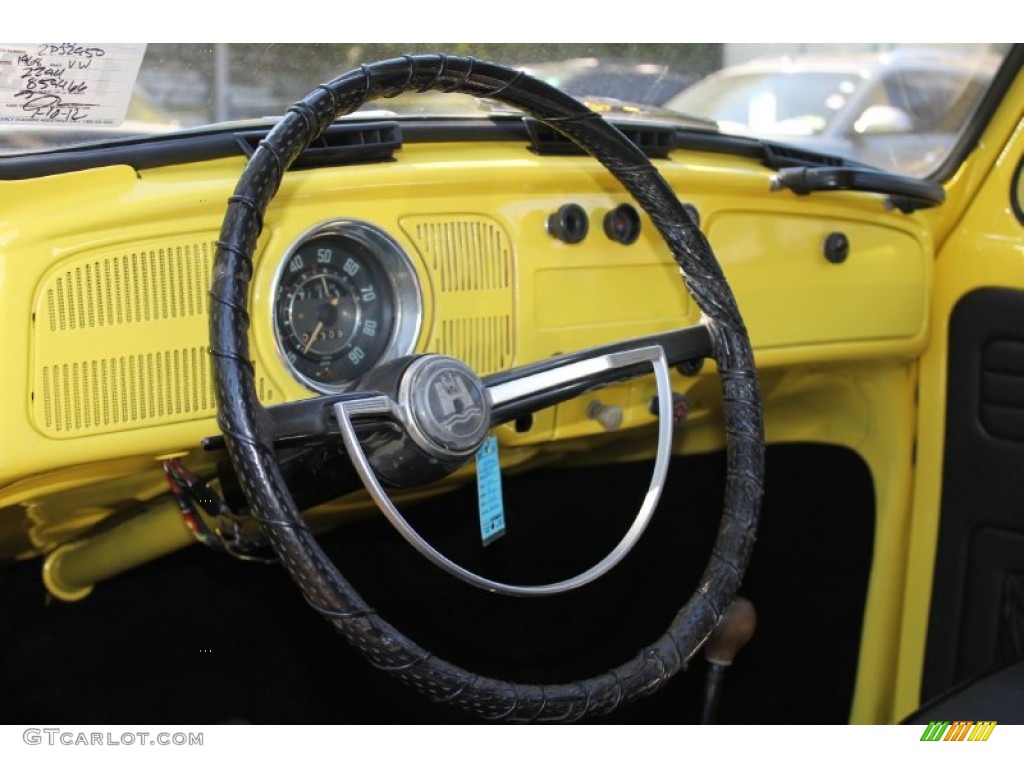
488, 487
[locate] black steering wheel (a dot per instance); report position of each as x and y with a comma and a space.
395, 393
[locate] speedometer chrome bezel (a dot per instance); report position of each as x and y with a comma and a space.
402, 278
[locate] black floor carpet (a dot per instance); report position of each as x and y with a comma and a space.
197, 637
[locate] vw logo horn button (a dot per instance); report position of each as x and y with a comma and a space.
446, 406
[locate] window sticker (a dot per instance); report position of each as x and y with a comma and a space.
488, 485
67, 83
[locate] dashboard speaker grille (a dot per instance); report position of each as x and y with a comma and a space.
467, 254
483, 342
129, 389
134, 287
470, 262
120, 338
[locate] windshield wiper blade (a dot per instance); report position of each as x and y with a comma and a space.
905, 193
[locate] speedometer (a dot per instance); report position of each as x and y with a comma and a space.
345, 298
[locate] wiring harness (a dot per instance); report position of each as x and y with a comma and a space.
233, 534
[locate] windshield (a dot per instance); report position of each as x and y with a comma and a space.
772, 102
895, 106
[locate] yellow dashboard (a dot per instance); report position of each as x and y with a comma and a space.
104, 273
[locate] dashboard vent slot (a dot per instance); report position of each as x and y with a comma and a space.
94, 396
484, 343
466, 254
471, 266
119, 340
777, 157
341, 144
127, 390
654, 141
139, 286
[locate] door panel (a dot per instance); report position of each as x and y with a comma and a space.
962, 609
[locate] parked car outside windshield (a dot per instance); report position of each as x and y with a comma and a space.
900, 110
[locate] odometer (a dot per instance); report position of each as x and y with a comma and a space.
345, 298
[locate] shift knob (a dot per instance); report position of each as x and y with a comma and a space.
732, 633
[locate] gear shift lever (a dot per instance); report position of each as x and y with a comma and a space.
732, 633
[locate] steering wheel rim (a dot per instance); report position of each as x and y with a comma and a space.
248, 433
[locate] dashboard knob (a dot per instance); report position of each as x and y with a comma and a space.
836, 248
569, 224
608, 416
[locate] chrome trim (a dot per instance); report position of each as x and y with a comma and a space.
374, 405
401, 274
567, 374
656, 357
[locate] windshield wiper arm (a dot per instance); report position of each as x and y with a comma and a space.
905, 193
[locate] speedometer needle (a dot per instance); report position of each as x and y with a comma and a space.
312, 337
